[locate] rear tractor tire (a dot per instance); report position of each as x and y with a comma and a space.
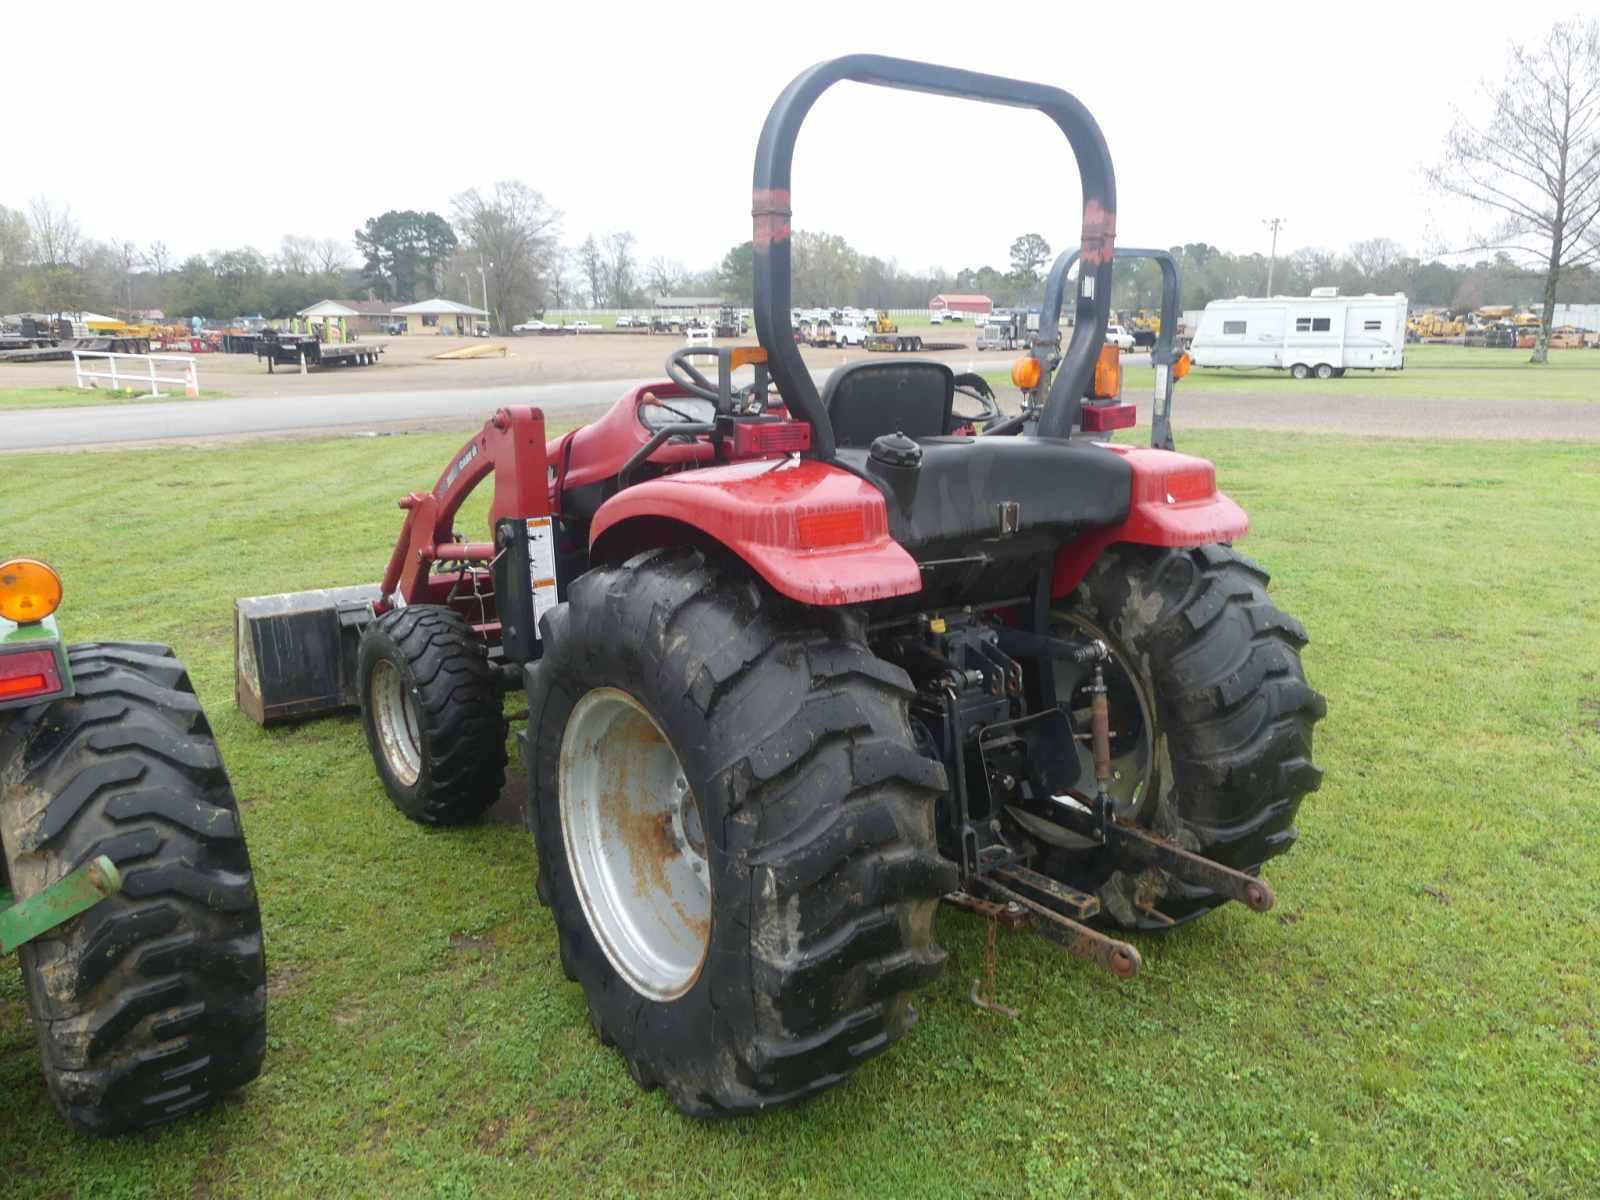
735, 831
430, 704
1211, 719
152, 1003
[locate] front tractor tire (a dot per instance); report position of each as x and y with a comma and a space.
430, 704
151, 1004
1211, 719
735, 831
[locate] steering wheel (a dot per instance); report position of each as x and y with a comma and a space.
688, 377
977, 388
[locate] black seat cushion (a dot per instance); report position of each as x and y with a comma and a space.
868, 399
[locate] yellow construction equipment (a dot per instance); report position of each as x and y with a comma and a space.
881, 323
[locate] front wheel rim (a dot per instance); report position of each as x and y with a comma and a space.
636, 846
395, 716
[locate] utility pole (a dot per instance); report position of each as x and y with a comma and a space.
1275, 223
484, 279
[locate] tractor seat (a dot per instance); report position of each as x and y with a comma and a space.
868, 399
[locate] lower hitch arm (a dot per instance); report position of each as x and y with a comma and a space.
1142, 847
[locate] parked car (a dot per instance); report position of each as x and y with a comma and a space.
627, 322
531, 327
1119, 337
581, 326
939, 318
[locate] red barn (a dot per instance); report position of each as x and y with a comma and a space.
955, 302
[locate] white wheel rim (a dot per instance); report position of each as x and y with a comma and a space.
396, 718
635, 844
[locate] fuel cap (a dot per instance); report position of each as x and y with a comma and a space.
896, 450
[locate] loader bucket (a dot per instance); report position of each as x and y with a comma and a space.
295, 653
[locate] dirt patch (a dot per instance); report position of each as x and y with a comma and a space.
507, 808
548, 1127
285, 980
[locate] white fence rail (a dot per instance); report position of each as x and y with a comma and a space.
139, 369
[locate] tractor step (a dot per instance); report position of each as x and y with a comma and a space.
1121, 959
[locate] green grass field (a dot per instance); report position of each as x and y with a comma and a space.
1449, 372
71, 397
1419, 1017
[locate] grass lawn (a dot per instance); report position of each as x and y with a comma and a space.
1451, 372
71, 397
1419, 1017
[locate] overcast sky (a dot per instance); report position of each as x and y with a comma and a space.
266, 120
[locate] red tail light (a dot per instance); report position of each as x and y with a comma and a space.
28, 673
1098, 418
833, 528
751, 438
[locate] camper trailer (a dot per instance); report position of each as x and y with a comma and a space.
1323, 334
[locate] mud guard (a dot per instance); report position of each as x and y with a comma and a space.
814, 532
1174, 502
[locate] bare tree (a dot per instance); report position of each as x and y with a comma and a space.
620, 268
1534, 163
158, 258
56, 237
665, 276
592, 265
127, 259
329, 255
512, 231
561, 286
294, 254
1374, 256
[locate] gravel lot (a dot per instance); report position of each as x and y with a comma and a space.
1359, 406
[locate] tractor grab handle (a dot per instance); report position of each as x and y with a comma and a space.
771, 211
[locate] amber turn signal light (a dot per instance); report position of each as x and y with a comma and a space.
1025, 373
29, 591
1181, 365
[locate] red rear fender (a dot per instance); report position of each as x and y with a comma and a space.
814, 532
1174, 502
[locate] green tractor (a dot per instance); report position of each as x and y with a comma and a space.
125, 884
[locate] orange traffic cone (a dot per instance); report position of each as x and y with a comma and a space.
191, 386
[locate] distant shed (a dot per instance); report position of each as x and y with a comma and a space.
961, 303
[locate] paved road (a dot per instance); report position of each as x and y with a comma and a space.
65, 428
133, 424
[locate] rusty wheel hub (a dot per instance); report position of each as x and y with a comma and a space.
635, 844
396, 714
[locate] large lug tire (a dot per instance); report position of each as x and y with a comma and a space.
794, 960
430, 704
1211, 718
152, 1003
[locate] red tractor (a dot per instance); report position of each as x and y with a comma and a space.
801, 665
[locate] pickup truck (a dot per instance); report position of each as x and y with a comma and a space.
850, 335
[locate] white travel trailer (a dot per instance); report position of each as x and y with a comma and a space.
1323, 334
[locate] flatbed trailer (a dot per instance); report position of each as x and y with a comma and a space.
904, 343
291, 349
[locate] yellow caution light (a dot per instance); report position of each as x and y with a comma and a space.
29, 591
1025, 373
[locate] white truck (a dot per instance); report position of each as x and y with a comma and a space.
1323, 334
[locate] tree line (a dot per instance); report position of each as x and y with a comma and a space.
1529, 159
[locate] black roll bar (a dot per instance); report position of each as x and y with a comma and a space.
1163, 354
771, 210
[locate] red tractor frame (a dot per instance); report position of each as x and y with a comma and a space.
801, 664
